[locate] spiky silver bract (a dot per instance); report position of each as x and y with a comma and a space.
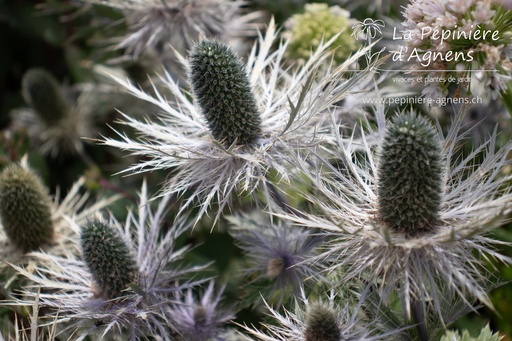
68, 286
289, 103
156, 27
200, 320
297, 325
278, 255
25, 209
410, 176
421, 268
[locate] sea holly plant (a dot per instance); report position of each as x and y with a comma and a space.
242, 123
415, 210
157, 27
349, 220
124, 281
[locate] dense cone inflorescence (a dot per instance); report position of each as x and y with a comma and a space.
224, 94
25, 208
108, 258
322, 324
44, 94
410, 175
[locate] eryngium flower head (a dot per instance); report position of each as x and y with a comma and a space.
315, 321
159, 26
289, 105
410, 175
108, 258
58, 117
322, 324
141, 309
420, 267
223, 92
25, 208
200, 320
278, 255
67, 214
43, 93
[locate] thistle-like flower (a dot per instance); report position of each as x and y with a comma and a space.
155, 27
58, 219
200, 320
412, 215
55, 121
217, 152
278, 255
125, 281
25, 208
314, 321
108, 259
224, 94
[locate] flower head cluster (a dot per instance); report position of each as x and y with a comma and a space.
467, 36
241, 123
411, 215
278, 254
155, 27
125, 280
318, 23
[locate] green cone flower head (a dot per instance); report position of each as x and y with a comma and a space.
44, 94
320, 22
410, 176
25, 208
108, 258
322, 324
223, 92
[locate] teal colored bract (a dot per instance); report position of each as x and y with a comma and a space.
410, 176
223, 92
25, 209
322, 324
108, 258
44, 94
